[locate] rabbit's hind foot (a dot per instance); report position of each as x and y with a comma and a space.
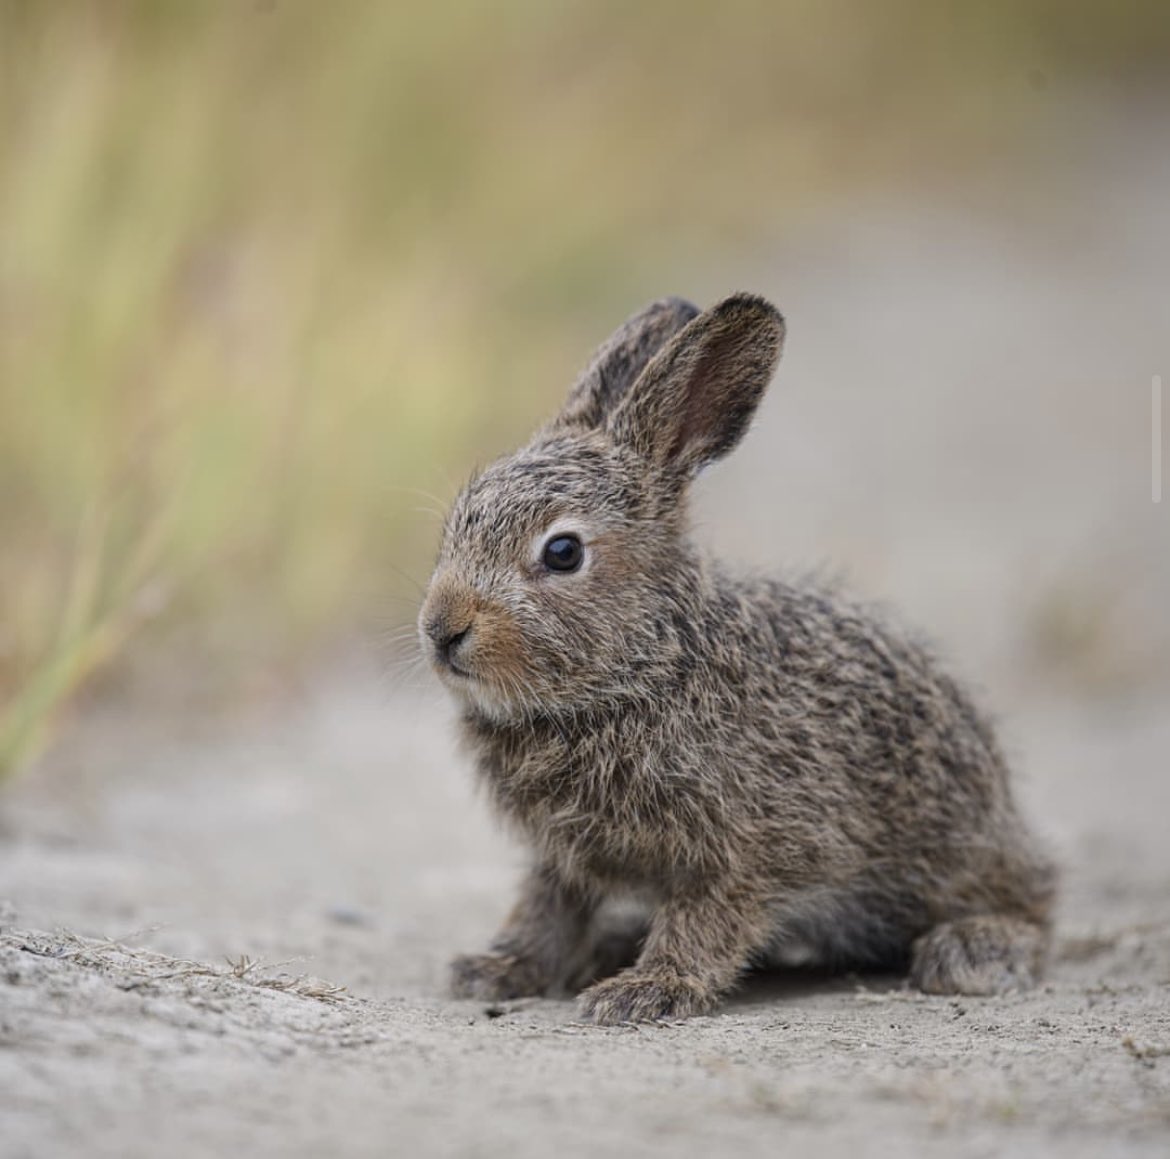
989, 954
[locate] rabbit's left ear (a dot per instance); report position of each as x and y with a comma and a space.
620, 360
695, 399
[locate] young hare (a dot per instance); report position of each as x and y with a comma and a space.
774, 772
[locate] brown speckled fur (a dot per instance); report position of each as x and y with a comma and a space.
772, 771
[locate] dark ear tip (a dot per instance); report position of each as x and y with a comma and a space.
673, 307
747, 305
750, 313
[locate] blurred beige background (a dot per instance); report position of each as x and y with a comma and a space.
274, 275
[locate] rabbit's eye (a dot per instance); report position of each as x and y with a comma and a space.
563, 553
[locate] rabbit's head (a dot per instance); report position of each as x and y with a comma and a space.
564, 574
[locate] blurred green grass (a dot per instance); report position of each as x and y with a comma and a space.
271, 274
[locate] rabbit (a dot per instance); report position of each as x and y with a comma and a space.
771, 770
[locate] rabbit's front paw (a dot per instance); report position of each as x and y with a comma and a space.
495, 977
643, 996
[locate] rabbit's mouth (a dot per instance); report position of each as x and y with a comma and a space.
447, 666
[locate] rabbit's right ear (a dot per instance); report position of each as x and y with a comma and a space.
694, 401
621, 359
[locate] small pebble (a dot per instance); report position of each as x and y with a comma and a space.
348, 915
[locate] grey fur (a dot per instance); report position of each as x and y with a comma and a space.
774, 770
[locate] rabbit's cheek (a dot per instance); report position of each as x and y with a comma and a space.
498, 652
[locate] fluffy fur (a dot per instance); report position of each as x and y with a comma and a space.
773, 772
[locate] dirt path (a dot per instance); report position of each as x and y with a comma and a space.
962, 423
346, 844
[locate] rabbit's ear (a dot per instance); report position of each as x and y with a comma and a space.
694, 400
620, 359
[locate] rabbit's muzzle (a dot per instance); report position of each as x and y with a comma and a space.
473, 643
446, 642
448, 623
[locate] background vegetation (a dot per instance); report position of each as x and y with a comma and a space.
272, 274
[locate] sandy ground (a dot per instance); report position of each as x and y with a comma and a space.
962, 424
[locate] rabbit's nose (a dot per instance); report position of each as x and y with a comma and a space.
446, 637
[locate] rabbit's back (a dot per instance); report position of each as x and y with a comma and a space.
863, 745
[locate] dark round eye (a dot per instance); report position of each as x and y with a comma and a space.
563, 553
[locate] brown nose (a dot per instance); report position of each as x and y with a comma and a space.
446, 635
447, 617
